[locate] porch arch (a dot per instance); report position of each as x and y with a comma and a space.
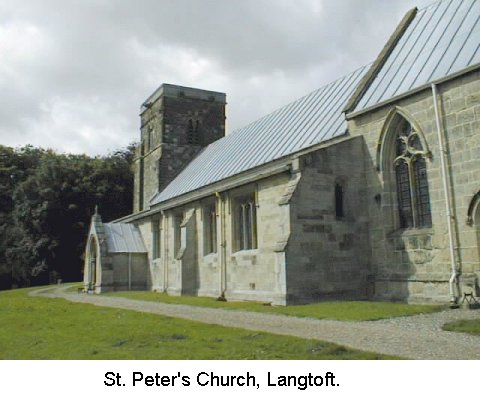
473, 218
473, 214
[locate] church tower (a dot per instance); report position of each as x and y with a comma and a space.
176, 123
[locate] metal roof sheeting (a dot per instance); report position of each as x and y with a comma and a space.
123, 238
307, 121
442, 39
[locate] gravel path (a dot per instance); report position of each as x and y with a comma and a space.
416, 337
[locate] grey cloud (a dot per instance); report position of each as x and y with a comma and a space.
263, 53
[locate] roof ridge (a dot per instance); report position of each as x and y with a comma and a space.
381, 59
433, 3
294, 101
440, 43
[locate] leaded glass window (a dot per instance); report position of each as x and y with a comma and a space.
411, 179
245, 224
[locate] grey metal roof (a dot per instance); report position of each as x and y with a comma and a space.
123, 238
307, 121
442, 39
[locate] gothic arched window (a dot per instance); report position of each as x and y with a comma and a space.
411, 178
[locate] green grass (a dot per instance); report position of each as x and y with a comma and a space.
45, 328
73, 288
465, 326
339, 310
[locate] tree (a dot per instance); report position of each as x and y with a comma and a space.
48, 208
15, 167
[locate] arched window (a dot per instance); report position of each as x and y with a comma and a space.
411, 178
245, 223
209, 229
150, 137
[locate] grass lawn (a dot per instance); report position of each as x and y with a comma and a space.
466, 326
339, 310
44, 328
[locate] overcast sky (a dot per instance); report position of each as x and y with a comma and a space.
73, 74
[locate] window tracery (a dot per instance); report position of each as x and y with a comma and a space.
411, 178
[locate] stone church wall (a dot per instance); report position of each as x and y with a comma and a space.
145, 227
208, 264
133, 268
148, 150
414, 264
257, 274
328, 254
306, 250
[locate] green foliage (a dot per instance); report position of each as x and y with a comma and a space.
46, 201
465, 326
339, 310
45, 328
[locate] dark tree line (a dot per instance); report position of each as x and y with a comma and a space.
46, 202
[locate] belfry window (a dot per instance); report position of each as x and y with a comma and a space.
150, 138
193, 132
411, 178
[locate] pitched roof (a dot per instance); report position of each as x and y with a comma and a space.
307, 121
435, 42
123, 238
441, 40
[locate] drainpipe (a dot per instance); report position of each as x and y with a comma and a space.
453, 282
165, 251
129, 271
223, 248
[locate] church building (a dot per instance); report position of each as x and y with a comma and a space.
367, 188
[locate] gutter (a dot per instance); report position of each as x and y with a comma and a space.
165, 252
129, 271
454, 281
221, 204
